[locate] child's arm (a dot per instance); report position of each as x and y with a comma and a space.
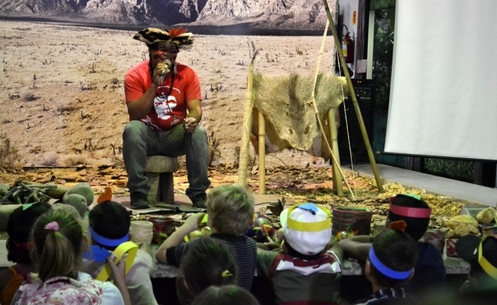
191, 224
119, 277
356, 247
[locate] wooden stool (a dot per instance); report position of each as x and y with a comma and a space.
159, 171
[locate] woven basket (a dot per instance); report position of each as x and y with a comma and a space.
141, 231
351, 219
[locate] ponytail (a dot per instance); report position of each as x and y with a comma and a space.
58, 236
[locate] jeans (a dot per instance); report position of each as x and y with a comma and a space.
140, 141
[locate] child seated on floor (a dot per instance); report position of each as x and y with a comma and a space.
225, 295
481, 253
430, 269
109, 227
59, 239
390, 265
209, 261
306, 273
481, 286
230, 209
19, 248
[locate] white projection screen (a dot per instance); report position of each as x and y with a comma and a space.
443, 97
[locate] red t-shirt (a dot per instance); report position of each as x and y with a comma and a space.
170, 106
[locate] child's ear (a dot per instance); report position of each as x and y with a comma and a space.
412, 274
387, 222
284, 246
187, 287
367, 268
86, 243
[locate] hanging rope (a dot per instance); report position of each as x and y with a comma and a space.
316, 112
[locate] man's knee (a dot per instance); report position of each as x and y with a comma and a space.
134, 129
200, 135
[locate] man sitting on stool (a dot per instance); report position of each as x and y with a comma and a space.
163, 99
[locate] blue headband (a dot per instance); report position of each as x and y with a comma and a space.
393, 274
107, 241
97, 253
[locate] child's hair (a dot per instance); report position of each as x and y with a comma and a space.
392, 257
58, 237
19, 226
208, 261
109, 219
225, 295
417, 225
230, 209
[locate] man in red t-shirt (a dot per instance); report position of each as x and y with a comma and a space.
163, 98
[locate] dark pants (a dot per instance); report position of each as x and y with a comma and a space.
140, 141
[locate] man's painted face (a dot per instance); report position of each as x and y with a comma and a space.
162, 51
158, 56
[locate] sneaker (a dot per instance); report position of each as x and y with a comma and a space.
199, 200
139, 201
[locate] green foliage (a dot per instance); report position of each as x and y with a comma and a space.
382, 4
383, 55
455, 169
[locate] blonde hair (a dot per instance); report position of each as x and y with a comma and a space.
58, 236
230, 209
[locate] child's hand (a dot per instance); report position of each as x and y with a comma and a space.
193, 222
119, 277
118, 270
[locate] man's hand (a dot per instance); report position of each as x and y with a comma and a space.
161, 71
190, 124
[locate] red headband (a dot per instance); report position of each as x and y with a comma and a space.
410, 212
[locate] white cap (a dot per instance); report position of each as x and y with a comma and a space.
308, 229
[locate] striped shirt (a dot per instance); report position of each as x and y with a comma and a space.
386, 296
301, 282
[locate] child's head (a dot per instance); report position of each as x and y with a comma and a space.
109, 224
19, 227
306, 229
230, 209
59, 243
225, 295
413, 210
208, 261
392, 258
481, 253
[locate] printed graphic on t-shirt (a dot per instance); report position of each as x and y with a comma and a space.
168, 110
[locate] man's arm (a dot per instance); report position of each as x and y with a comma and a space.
191, 224
194, 115
195, 110
137, 109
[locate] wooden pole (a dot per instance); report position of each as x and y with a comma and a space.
247, 122
337, 174
262, 154
357, 109
336, 164
247, 125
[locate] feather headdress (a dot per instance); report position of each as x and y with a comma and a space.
179, 36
